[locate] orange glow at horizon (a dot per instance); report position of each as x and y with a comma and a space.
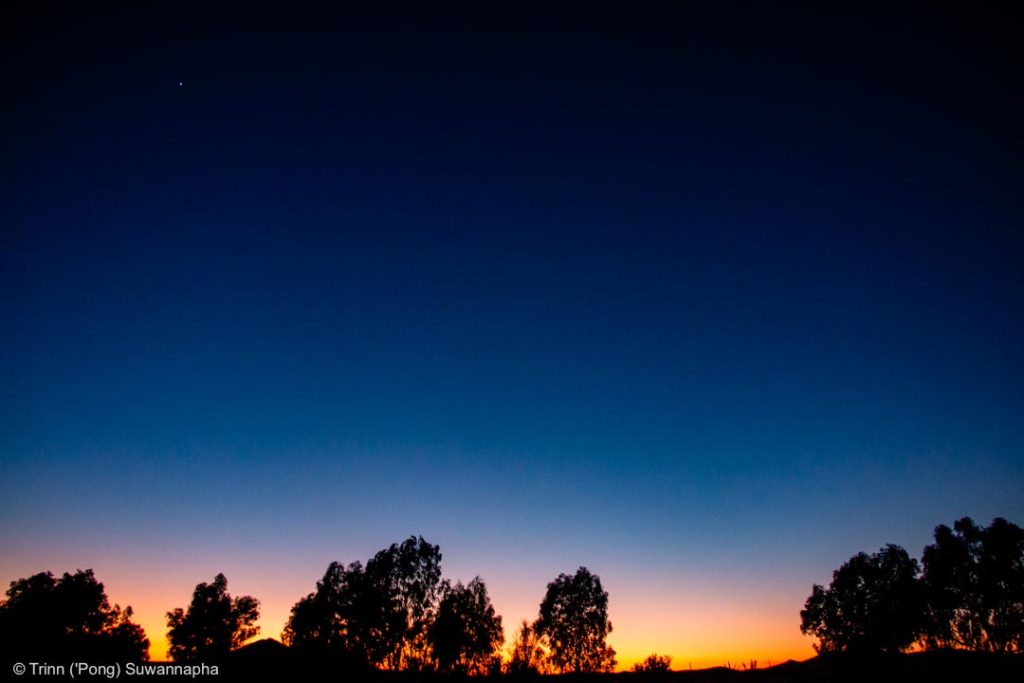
628, 651
711, 632
151, 613
707, 639
698, 620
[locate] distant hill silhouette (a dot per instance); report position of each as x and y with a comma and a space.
261, 650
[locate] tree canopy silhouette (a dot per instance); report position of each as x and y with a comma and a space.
654, 664
69, 617
406, 580
317, 621
214, 624
974, 582
466, 635
874, 604
574, 623
348, 615
378, 614
527, 654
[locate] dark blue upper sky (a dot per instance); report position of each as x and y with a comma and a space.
758, 264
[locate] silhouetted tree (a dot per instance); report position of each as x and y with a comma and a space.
974, 582
574, 623
350, 613
466, 634
67, 618
316, 620
527, 655
654, 664
403, 581
373, 619
214, 624
378, 614
874, 604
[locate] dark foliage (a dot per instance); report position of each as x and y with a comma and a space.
406, 581
874, 604
374, 615
974, 582
918, 667
466, 635
318, 622
527, 655
654, 664
574, 624
48, 618
352, 615
214, 624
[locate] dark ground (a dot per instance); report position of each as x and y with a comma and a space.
268, 660
277, 663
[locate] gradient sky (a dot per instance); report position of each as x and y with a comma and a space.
704, 300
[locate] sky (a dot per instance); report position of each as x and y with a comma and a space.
705, 299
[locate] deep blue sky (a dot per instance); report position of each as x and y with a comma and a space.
655, 290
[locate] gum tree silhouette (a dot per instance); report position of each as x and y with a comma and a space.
654, 664
574, 624
974, 583
347, 616
527, 654
374, 615
52, 619
317, 620
874, 604
373, 619
404, 581
214, 624
466, 636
